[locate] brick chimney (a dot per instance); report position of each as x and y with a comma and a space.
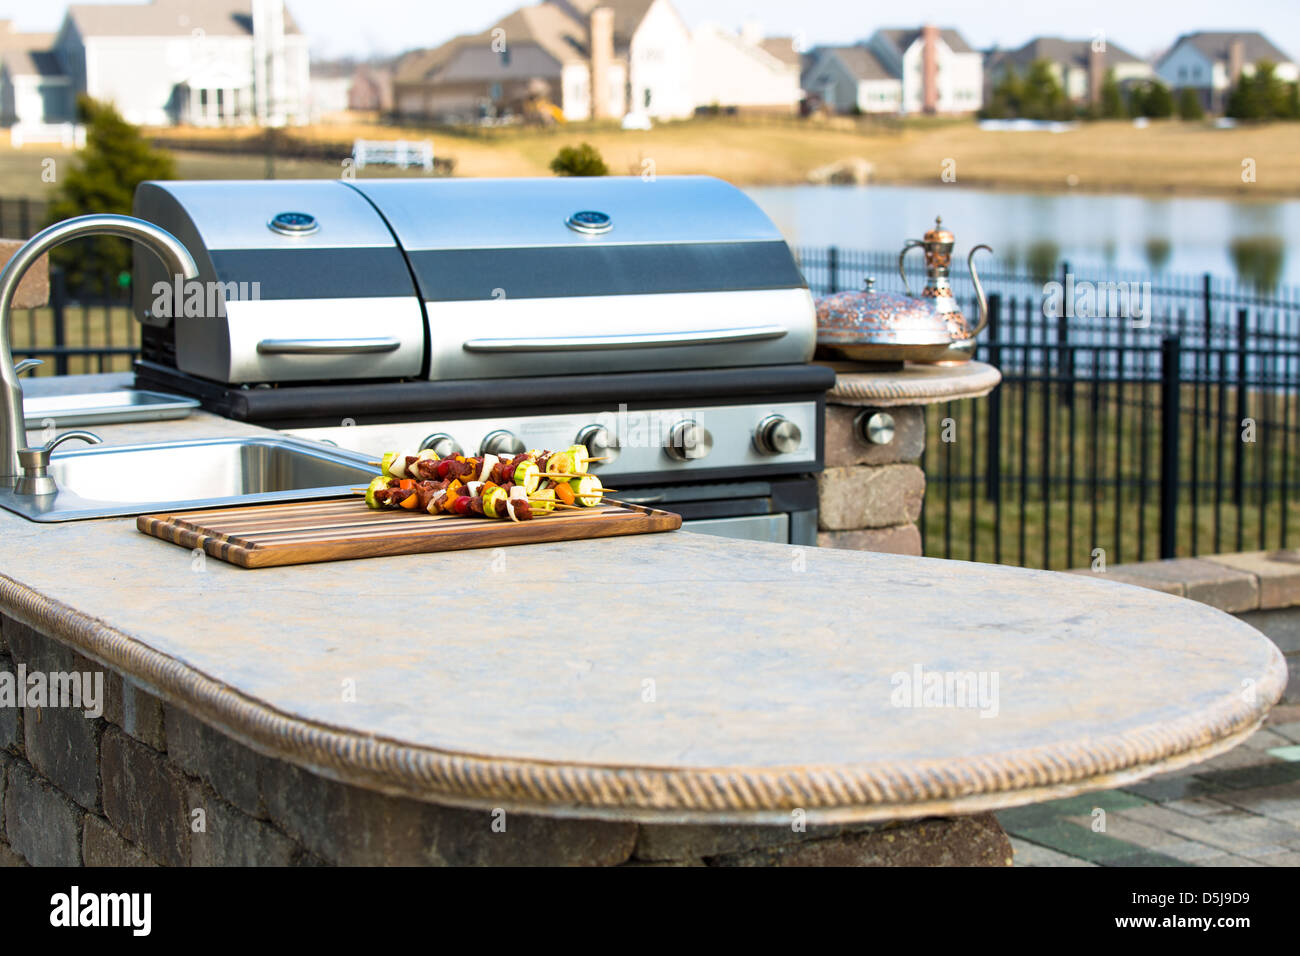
1096, 74
930, 68
1236, 57
602, 57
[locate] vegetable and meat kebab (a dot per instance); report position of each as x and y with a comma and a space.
519, 488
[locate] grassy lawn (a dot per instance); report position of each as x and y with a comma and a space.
1169, 157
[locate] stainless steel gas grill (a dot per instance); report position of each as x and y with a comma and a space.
664, 324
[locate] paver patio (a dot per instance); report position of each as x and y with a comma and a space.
1240, 809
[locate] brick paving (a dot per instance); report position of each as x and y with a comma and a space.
1240, 809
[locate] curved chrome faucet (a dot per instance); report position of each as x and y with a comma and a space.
177, 259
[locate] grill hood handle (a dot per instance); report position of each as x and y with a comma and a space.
328, 346
581, 343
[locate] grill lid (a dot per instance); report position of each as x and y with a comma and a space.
467, 279
531, 276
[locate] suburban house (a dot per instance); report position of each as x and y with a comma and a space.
567, 59
34, 90
850, 79
937, 69
1080, 66
1211, 63
372, 89
744, 71
201, 62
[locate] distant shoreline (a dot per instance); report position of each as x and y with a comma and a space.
1167, 159
1001, 186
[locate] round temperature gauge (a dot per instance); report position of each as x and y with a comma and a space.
590, 222
294, 224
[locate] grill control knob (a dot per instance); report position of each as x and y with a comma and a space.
500, 443
689, 441
777, 435
443, 445
600, 441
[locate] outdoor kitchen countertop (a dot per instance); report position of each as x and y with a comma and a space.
665, 677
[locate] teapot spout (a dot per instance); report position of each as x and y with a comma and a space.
980, 297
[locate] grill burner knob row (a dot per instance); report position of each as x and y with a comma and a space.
600, 441
442, 444
689, 441
777, 435
501, 443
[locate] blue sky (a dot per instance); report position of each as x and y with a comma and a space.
385, 26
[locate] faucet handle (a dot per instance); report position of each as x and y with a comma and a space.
35, 479
39, 457
90, 438
26, 365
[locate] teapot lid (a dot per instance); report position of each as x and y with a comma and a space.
869, 317
938, 233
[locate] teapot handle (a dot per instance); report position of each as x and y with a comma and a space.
911, 243
980, 297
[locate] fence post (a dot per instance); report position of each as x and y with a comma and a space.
1238, 446
832, 269
1207, 297
1207, 292
1170, 405
993, 434
58, 316
1064, 356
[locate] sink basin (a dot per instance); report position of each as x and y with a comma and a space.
107, 481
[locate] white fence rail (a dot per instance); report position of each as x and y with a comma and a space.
69, 135
402, 153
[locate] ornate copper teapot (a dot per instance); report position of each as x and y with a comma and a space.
887, 327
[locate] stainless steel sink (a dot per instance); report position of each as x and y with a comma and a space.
107, 481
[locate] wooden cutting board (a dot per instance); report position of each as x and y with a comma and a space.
339, 529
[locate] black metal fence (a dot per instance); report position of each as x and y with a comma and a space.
1118, 434
79, 332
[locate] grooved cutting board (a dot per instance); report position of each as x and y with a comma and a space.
339, 529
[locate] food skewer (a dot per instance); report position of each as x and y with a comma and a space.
488, 485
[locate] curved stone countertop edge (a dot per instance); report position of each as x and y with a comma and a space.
911, 385
828, 795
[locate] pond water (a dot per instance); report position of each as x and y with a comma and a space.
1254, 241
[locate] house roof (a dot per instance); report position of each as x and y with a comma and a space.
1072, 52
783, 49
1217, 46
168, 18
860, 61
902, 38
628, 15
560, 27
27, 54
552, 28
